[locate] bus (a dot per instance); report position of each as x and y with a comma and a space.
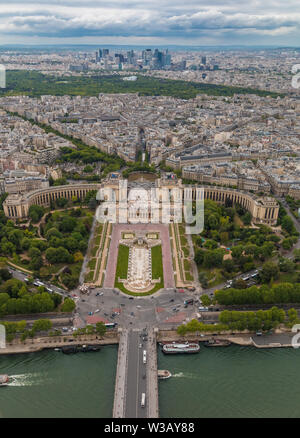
187, 302
143, 400
111, 325
144, 356
203, 309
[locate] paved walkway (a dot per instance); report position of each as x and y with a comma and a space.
88, 252
109, 281
152, 378
120, 385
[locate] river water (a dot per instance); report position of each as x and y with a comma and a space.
218, 382
231, 382
53, 384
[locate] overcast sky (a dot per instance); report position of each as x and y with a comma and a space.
184, 22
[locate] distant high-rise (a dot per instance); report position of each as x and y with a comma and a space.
120, 57
130, 57
105, 52
203, 60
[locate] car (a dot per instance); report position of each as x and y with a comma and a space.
100, 294
140, 345
83, 301
90, 313
131, 313
138, 307
181, 291
97, 310
97, 294
130, 298
106, 314
172, 300
258, 333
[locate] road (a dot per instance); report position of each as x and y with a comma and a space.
281, 339
136, 382
21, 276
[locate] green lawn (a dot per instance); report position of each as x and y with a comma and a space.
157, 263
122, 265
157, 270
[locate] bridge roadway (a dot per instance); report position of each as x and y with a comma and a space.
135, 377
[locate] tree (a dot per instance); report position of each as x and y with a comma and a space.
269, 271
203, 279
199, 257
240, 284
210, 244
35, 213
92, 203
286, 265
228, 265
53, 232
58, 255
297, 255
61, 202
68, 305
67, 224
100, 328
206, 300
293, 316
213, 221
213, 258
287, 243
41, 325
287, 224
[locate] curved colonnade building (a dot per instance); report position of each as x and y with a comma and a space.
264, 210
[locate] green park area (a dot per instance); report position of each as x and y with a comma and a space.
18, 297
230, 244
230, 321
51, 244
35, 84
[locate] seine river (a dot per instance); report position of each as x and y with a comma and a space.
231, 382
53, 384
218, 382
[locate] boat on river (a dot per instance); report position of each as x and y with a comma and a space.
176, 347
217, 343
164, 374
4, 379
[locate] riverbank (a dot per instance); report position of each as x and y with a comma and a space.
278, 339
43, 343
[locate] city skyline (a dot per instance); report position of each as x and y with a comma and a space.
150, 23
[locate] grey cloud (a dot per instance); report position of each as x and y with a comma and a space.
145, 18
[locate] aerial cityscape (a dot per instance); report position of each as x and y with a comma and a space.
150, 211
